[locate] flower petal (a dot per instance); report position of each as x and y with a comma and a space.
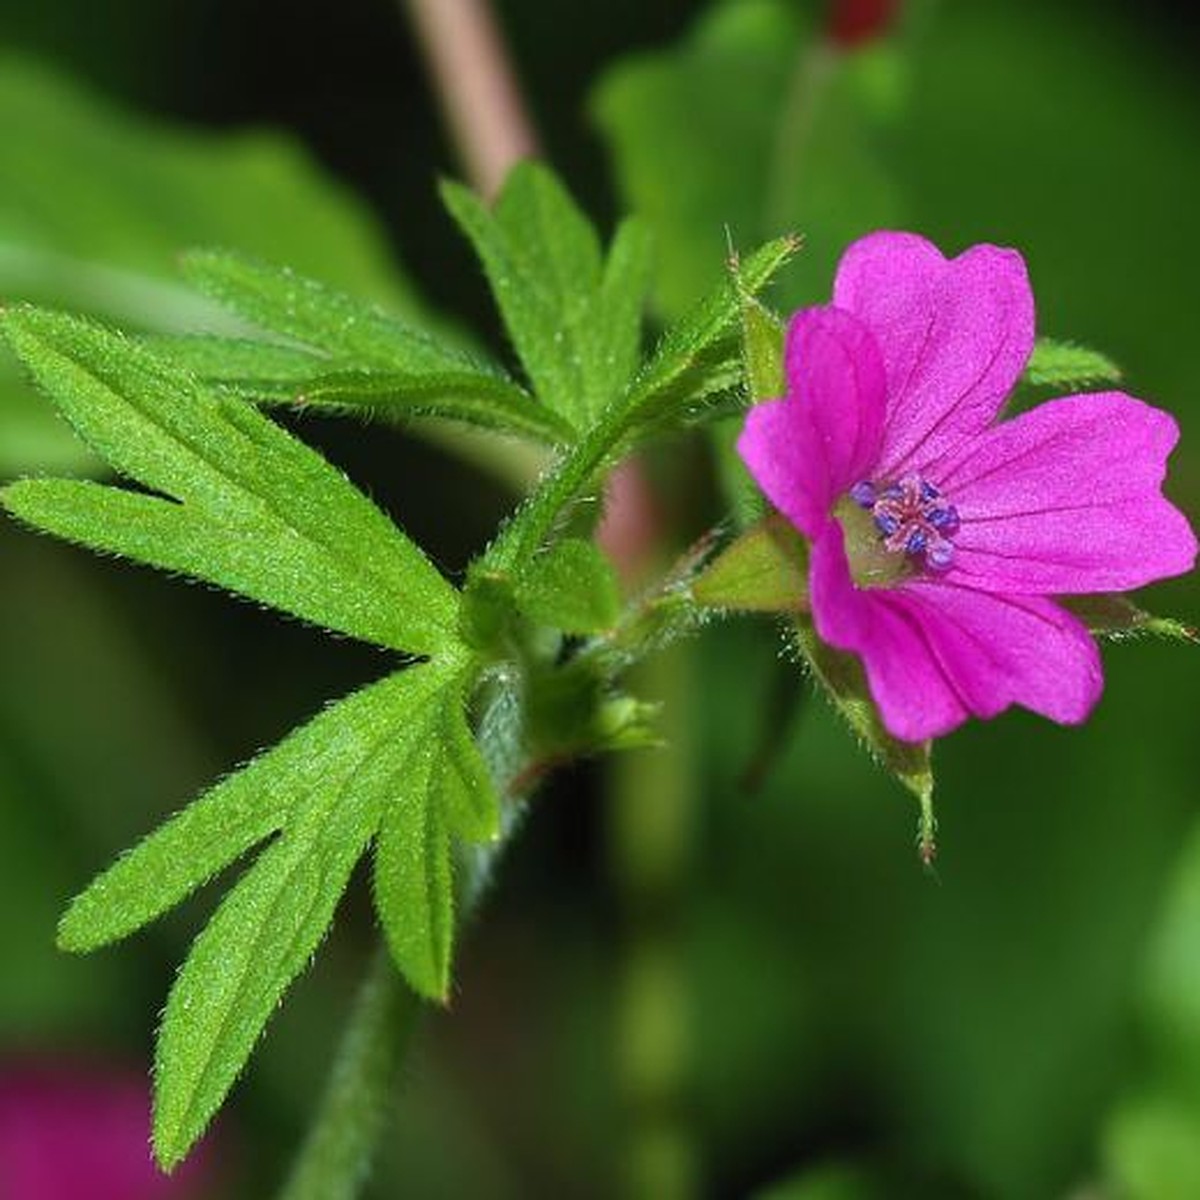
1000, 650
955, 335
935, 653
1067, 499
914, 696
808, 448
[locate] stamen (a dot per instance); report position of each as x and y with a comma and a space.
913, 518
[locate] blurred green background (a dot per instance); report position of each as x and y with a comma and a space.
1027, 1025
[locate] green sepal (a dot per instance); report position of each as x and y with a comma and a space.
764, 570
1115, 616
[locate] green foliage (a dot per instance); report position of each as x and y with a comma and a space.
800, 130
677, 376
570, 586
574, 317
764, 570
242, 503
378, 750
355, 356
1065, 365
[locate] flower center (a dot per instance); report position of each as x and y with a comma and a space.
895, 529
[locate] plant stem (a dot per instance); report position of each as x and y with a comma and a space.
476, 86
649, 849
336, 1156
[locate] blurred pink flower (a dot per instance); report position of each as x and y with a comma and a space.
938, 533
852, 22
74, 1132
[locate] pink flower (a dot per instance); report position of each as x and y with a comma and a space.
72, 1131
938, 533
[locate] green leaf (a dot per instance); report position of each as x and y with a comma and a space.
1115, 616
704, 344
570, 586
764, 570
356, 357
842, 678
383, 748
272, 373
285, 302
574, 320
803, 135
251, 509
96, 204
673, 380
449, 791
1065, 365
228, 820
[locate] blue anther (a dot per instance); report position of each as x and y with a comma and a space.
863, 494
886, 523
945, 520
940, 555
917, 541
928, 491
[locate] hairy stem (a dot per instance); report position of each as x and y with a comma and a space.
649, 849
336, 1156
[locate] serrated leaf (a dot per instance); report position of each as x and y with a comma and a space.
1066, 365
258, 512
276, 374
659, 396
574, 320
1115, 616
842, 678
268, 926
570, 586
226, 821
285, 302
764, 570
704, 342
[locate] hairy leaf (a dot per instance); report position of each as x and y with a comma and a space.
251, 509
574, 319
276, 374
659, 395
226, 821
376, 773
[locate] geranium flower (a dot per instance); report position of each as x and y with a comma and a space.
939, 534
